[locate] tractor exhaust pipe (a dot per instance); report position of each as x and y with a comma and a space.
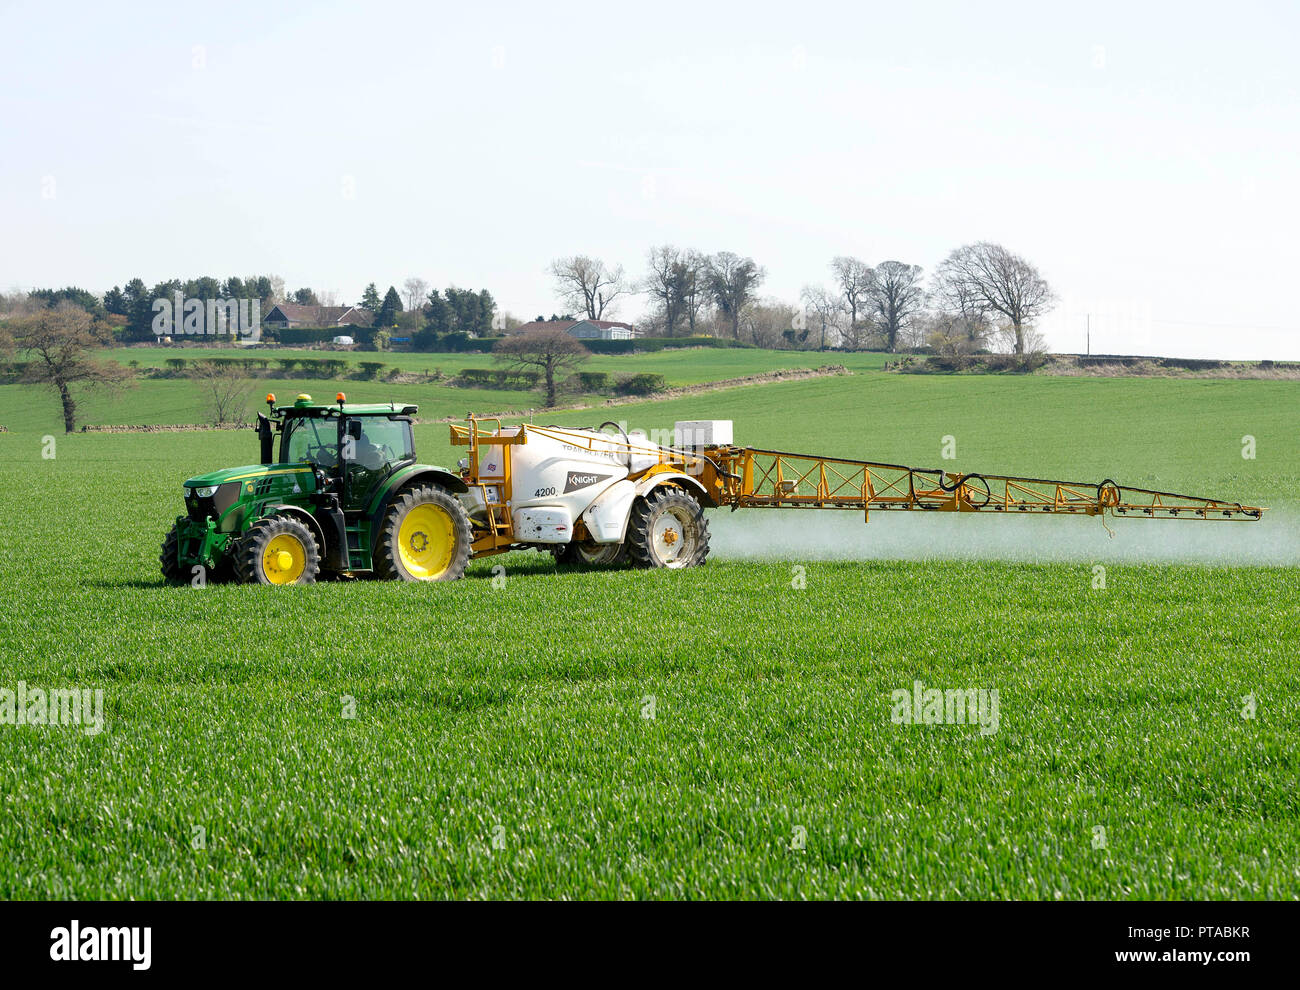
266, 437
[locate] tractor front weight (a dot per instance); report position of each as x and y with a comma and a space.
200, 544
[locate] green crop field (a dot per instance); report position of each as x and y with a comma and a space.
35, 409
181, 400
687, 366
718, 732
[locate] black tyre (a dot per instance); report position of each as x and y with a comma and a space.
667, 529
425, 536
277, 550
172, 571
587, 555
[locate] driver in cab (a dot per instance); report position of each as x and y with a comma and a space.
368, 454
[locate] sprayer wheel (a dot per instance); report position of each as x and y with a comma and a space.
667, 529
591, 556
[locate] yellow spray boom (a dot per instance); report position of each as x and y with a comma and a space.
745, 477
596, 498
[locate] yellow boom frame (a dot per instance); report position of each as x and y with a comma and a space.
749, 477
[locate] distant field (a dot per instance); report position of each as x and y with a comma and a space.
34, 409
501, 745
687, 366
29, 408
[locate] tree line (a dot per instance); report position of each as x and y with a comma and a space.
982, 295
129, 308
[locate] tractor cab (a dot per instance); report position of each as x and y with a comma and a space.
352, 448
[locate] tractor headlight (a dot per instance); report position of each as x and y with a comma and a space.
189, 492
205, 492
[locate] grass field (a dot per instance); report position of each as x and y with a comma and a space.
687, 366
500, 745
28, 408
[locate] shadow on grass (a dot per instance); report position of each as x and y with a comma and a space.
124, 585
479, 573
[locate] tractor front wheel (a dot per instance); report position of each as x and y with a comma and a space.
425, 537
172, 571
667, 529
277, 550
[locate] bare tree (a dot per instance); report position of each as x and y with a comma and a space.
1027, 342
60, 341
896, 294
225, 386
550, 350
963, 318
915, 331
946, 333
854, 280
770, 323
15, 303
416, 289
586, 284
827, 312
857, 336
694, 288
732, 282
1001, 282
277, 294
666, 283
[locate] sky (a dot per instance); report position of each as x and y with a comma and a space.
1143, 156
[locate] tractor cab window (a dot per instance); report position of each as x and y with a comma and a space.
310, 438
373, 445
379, 441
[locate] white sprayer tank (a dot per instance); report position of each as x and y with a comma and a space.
555, 478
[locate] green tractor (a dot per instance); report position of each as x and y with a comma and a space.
345, 497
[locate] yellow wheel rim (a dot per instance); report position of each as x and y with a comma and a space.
425, 541
284, 559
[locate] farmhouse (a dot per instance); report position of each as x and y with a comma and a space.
287, 315
586, 329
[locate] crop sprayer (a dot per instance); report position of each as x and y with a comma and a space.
346, 496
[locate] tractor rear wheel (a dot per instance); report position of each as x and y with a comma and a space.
172, 571
591, 556
667, 529
425, 536
277, 550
